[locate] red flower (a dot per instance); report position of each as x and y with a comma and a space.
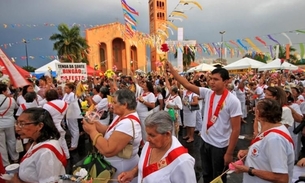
164, 47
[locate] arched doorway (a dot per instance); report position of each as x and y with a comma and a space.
133, 58
119, 55
103, 56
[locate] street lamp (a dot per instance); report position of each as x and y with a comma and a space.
221, 33
26, 52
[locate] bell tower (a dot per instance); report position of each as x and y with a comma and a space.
157, 21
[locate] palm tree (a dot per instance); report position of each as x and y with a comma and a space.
282, 54
188, 56
258, 56
70, 46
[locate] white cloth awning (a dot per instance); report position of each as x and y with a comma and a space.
45, 68
276, 64
245, 63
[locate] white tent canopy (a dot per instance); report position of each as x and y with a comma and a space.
276, 64
45, 68
201, 67
204, 67
245, 63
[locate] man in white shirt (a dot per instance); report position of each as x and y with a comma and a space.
221, 123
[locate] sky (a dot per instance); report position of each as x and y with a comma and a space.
26, 19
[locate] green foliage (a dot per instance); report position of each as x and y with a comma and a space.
282, 54
69, 44
29, 68
258, 56
189, 56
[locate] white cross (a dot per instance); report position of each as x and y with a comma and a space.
180, 43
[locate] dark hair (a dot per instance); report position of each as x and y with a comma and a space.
270, 110
3, 88
25, 90
43, 78
175, 89
105, 91
51, 94
279, 94
150, 86
97, 88
297, 90
40, 115
126, 96
30, 97
224, 74
71, 86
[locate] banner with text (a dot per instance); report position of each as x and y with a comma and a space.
71, 71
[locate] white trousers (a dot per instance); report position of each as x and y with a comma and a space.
8, 145
63, 144
74, 131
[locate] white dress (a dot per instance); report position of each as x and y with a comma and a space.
174, 100
178, 171
25, 106
58, 114
42, 166
103, 106
125, 126
189, 117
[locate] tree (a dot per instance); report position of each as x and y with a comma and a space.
282, 54
258, 56
29, 68
69, 44
188, 56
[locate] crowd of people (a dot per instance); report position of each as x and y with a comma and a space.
145, 115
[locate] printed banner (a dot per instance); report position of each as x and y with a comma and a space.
71, 71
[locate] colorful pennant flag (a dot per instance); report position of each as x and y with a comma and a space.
217, 180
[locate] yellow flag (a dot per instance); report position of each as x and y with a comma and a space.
110, 99
217, 180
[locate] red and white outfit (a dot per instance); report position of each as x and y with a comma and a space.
189, 117
174, 167
43, 165
174, 100
7, 130
58, 109
274, 152
125, 126
25, 106
142, 110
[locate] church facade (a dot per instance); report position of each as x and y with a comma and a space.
110, 48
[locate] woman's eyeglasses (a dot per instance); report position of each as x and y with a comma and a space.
22, 125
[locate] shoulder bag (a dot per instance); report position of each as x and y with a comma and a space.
193, 107
126, 153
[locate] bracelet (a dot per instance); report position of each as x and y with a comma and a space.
95, 138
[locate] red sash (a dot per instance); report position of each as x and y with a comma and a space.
260, 137
175, 153
170, 98
57, 108
23, 106
212, 119
118, 120
9, 106
60, 157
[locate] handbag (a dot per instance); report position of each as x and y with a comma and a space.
299, 128
193, 107
126, 153
104, 115
96, 166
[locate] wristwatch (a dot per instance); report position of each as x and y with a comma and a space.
250, 171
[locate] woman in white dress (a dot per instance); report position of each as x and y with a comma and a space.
163, 158
58, 109
189, 117
45, 160
159, 99
145, 103
102, 106
124, 129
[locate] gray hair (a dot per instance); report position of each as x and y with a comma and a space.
125, 96
158, 89
161, 120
